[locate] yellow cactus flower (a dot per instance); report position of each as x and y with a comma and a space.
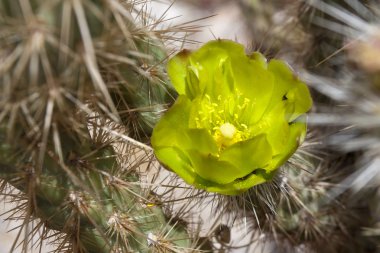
236, 120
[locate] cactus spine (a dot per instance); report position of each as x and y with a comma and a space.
70, 72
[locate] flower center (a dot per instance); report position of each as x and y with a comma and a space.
227, 130
224, 118
226, 135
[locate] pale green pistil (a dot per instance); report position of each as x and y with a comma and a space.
226, 134
227, 130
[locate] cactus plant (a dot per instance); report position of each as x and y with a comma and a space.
72, 73
83, 84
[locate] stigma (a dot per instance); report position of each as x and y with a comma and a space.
227, 130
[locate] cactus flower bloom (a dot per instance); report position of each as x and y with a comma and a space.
236, 120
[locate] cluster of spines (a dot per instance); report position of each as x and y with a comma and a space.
75, 74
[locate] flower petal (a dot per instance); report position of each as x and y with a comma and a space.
300, 97
164, 135
251, 180
210, 168
284, 80
173, 131
248, 155
255, 83
275, 126
297, 132
176, 160
289, 87
239, 186
201, 140
212, 64
177, 68
260, 59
